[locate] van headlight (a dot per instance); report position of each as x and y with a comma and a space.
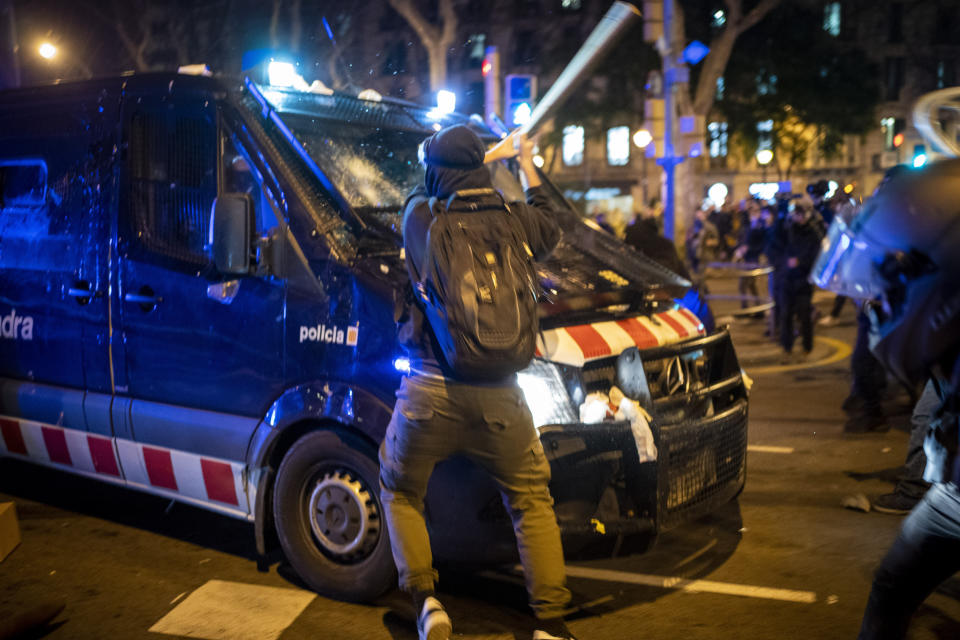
546, 395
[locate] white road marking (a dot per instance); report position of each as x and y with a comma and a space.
694, 586
696, 554
178, 598
221, 610
759, 448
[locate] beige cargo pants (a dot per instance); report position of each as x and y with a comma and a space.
435, 418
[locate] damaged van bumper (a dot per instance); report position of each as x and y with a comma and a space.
600, 486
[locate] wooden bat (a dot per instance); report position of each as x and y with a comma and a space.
615, 22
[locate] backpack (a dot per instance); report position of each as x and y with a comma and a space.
479, 288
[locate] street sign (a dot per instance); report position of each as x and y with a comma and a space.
695, 52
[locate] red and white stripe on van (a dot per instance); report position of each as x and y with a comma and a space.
579, 344
208, 482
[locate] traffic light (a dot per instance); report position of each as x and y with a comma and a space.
919, 155
521, 92
491, 83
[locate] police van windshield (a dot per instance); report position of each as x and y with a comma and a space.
372, 167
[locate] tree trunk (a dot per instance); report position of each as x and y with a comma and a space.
275, 24
688, 197
296, 25
437, 55
436, 39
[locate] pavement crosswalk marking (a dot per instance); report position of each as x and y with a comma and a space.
693, 586
221, 610
761, 448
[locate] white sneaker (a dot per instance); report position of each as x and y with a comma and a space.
433, 622
558, 631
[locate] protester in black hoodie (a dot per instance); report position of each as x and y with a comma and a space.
437, 416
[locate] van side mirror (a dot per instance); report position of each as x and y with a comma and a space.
231, 222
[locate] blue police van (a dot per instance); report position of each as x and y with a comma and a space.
198, 280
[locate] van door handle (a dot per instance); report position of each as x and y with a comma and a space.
81, 292
145, 298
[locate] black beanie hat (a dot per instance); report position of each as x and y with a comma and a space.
455, 147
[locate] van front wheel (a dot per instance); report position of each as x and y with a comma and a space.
329, 518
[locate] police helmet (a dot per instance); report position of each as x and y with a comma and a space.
903, 250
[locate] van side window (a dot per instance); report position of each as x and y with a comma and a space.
23, 183
51, 173
239, 175
172, 181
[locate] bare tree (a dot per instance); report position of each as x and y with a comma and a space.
158, 36
721, 46
296, 25
275, 23
436, 39
338, 30
702, 99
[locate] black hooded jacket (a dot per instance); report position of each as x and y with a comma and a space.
536, 215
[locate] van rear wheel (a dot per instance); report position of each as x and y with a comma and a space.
329, 518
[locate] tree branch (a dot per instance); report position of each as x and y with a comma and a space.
720, 49
756, 14
296, 25
134, 50
449, 16
275, 23
428, 33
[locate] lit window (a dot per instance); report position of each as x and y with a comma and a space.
719, 19
570, 5
765, 137
573, 145
718, 139
831, 18
886, 126
945, 74
618, 146
721, 86
478, 46
766, 84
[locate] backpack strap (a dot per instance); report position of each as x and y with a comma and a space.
470, 193
463, 194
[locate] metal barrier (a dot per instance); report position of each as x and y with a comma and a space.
719, 271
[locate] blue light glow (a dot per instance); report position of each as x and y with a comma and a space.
919, 160
522, 113
695, 52
402, 365
281, 74
446, 101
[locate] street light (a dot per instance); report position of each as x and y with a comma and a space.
47, 51
62, 61
764, 156
642, 138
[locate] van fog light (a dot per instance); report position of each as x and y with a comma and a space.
545, 394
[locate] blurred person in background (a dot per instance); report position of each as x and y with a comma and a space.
703, 240
643, 234
800, 234
753, 238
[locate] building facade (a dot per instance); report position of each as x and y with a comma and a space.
915, 45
